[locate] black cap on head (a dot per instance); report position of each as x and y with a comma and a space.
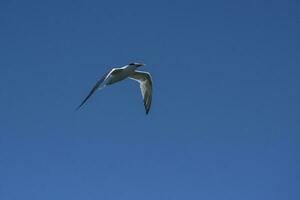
136, 64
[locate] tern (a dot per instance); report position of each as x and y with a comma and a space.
128, 71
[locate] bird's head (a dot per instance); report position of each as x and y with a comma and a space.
137, 64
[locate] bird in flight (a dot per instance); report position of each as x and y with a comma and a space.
128, 71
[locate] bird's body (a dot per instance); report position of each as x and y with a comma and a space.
128, 71
119, 74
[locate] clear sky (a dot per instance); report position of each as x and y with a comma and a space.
224, 123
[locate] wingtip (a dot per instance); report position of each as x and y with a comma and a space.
78, 108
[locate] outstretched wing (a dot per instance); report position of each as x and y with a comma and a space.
145, 80
96, 86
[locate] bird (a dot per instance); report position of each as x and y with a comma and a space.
118, 74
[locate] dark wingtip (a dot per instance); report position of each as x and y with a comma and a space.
147, 111
84, 101
77, 108
80, 105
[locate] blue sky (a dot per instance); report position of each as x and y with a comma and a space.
225, 117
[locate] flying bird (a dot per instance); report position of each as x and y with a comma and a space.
128, 71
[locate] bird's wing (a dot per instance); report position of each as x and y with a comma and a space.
145, 80
96, 86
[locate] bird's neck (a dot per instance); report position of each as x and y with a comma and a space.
130, 67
